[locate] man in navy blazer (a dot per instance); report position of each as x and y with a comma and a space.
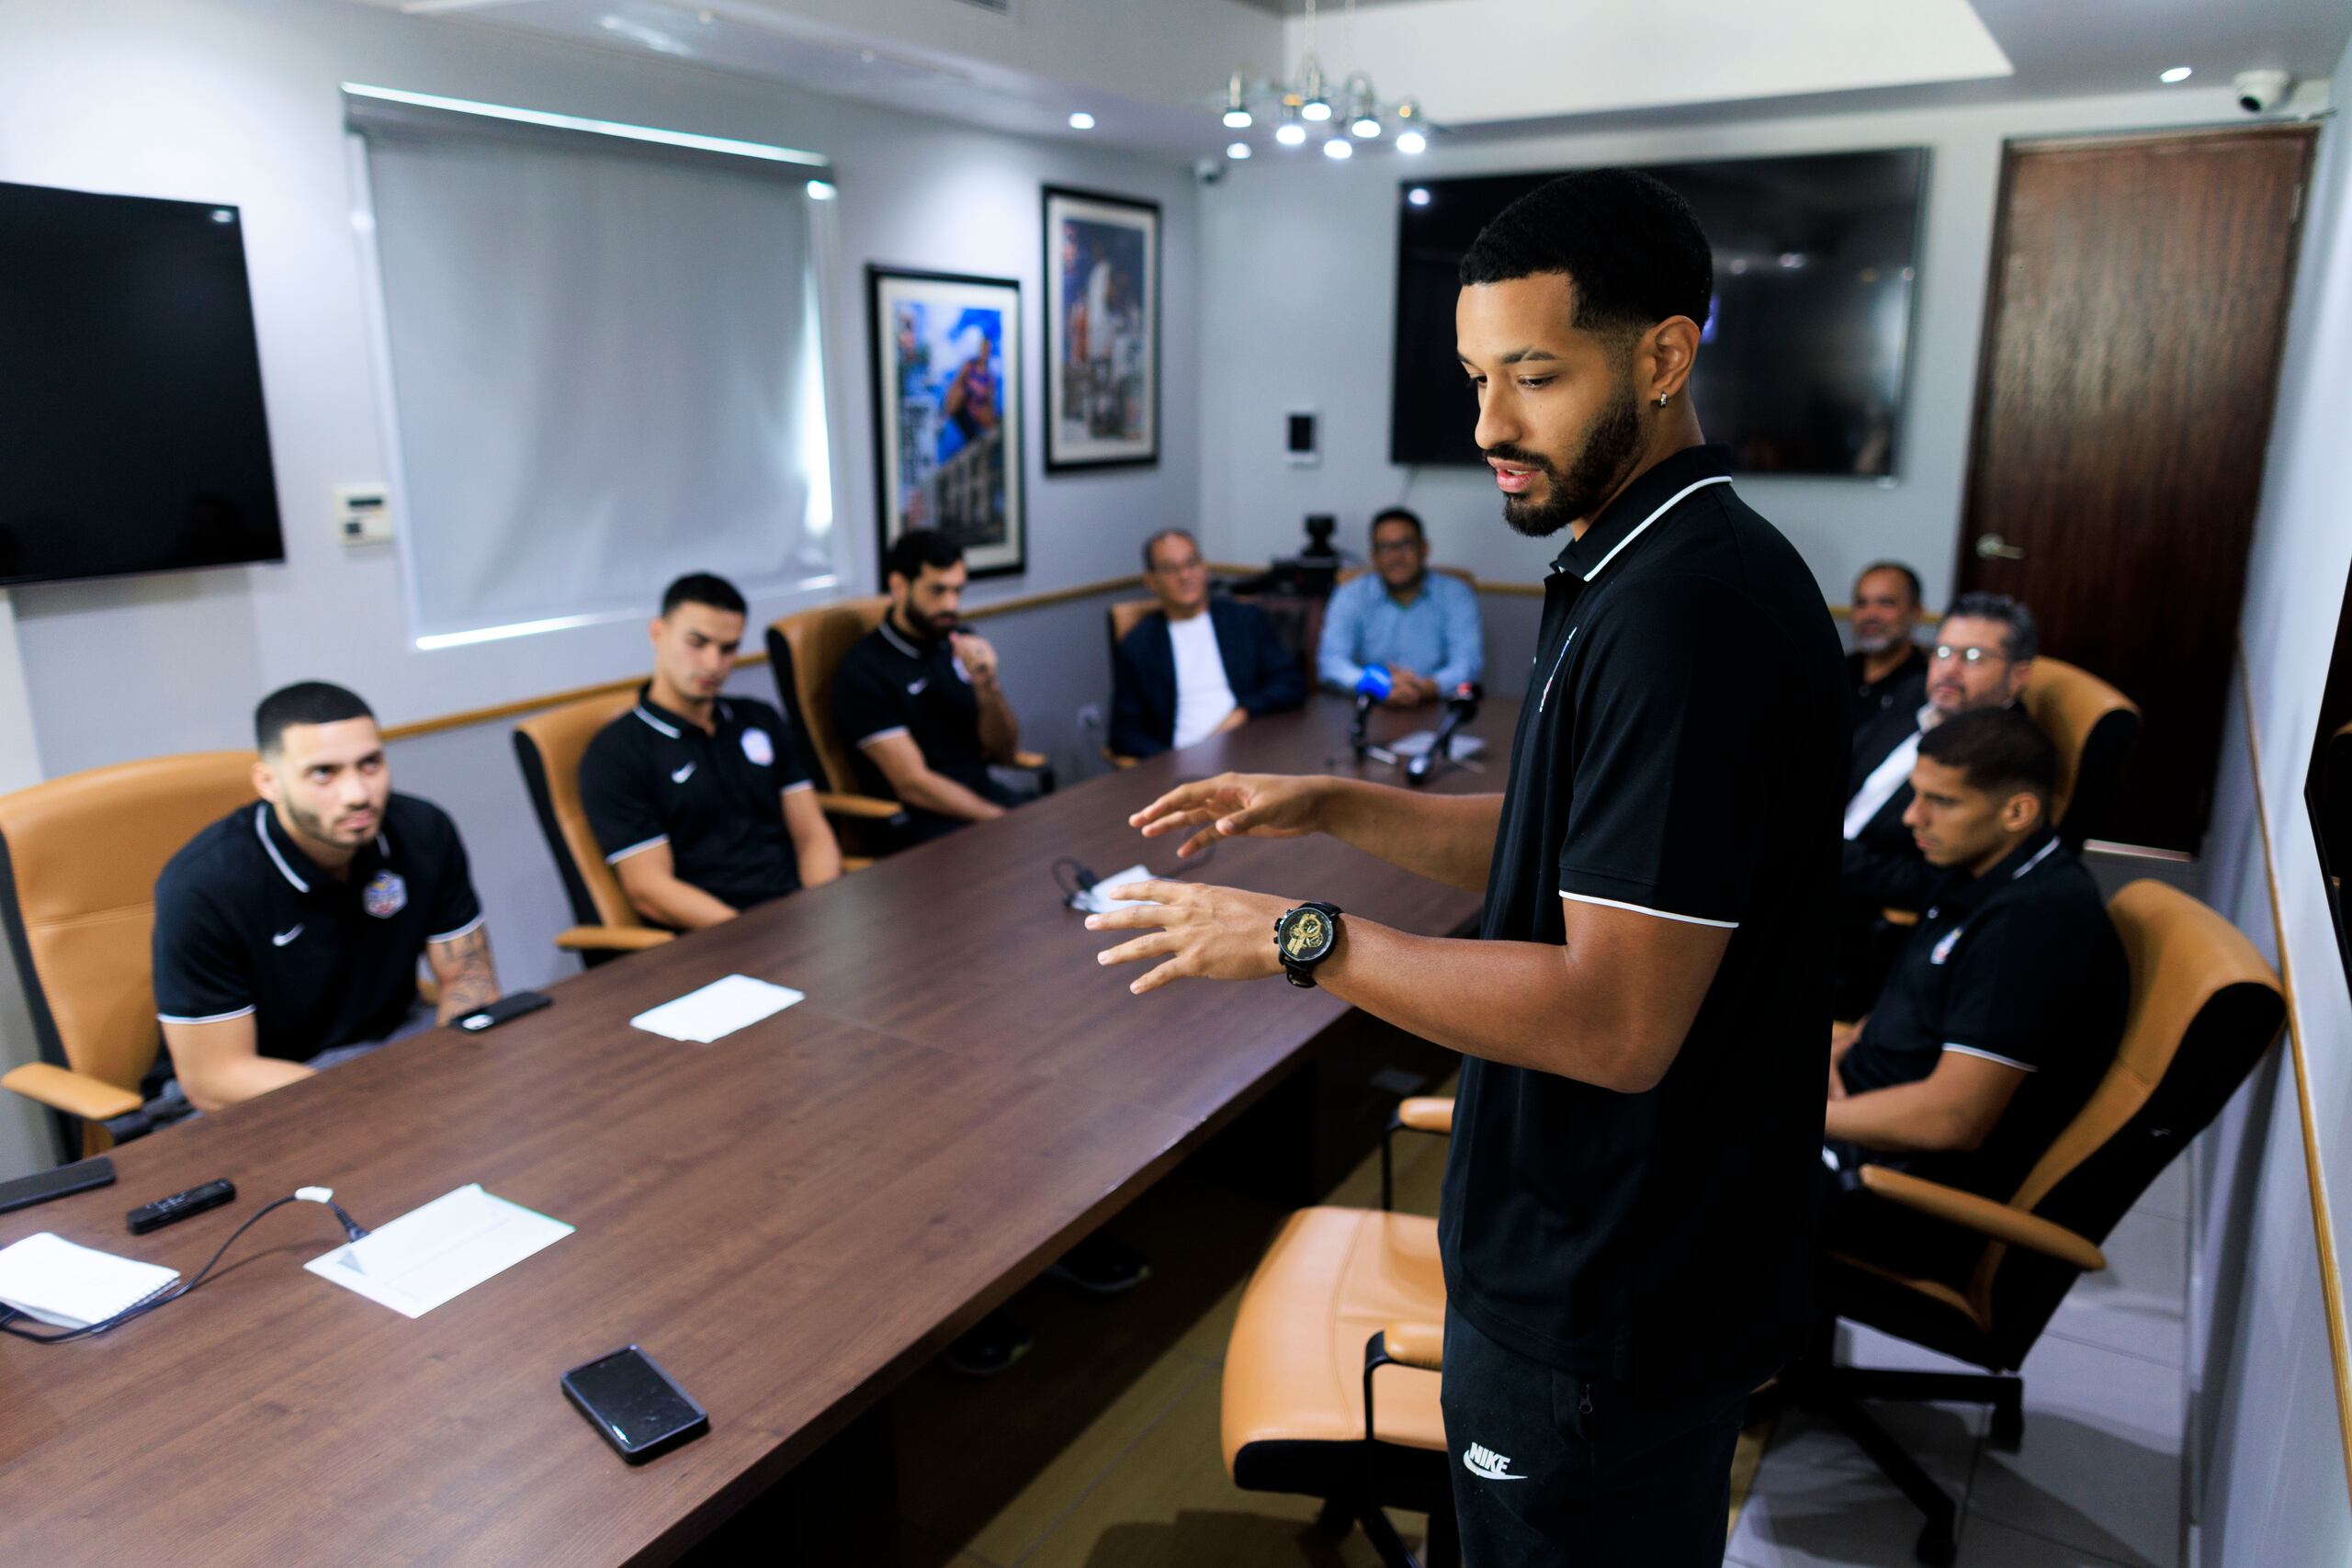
1198, 666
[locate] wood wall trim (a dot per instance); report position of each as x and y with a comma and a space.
2331, 1277
466, 718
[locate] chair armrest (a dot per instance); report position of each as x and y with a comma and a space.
610, 939
1030, 760
1117, 761
1899, 917
1416, 1345
1427, 1113
856, 863
76, 1094
1984, 1216
863, 806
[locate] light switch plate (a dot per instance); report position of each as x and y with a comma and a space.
362, 514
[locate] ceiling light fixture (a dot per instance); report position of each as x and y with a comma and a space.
1239, 151
1081, 121
1308, 100
2177, 73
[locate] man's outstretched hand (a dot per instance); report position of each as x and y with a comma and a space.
1207, 933
1237, 805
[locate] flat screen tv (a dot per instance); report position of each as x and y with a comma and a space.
1801, 367
132, 432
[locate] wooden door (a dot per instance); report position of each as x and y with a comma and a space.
2131, 359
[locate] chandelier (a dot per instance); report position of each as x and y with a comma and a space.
1308, 110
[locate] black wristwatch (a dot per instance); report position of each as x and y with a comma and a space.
1304, 937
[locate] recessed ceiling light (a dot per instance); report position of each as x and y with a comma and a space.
1081, 120
1418, 196
2177, 73
1239, 151
1410, 141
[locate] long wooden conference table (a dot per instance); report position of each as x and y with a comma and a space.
790, 1220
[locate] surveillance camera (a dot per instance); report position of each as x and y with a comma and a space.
2261, 91
1208, 171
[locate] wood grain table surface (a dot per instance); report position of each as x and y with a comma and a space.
790, 1220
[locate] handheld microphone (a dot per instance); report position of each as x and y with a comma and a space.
1372, 687
1460, 707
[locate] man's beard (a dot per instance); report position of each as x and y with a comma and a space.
1609, 443
319, 830
1874, 642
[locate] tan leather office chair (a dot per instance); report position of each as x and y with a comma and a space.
79, 856
804, 652
548, 747
2204, 1008
1124, 616
2094, 728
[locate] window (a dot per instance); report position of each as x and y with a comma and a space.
604, 358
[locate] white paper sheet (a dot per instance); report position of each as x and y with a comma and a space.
70, 1286
718, 1010
439, 1251
1096, 901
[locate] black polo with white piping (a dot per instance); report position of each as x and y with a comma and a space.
1680, 754
246, 923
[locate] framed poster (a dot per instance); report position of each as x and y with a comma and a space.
948, 380
1102, 330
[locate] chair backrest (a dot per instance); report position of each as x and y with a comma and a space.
78, 862
1125, 615
803, 652
1350, 573
2205, 1006
2094, 727
548, 747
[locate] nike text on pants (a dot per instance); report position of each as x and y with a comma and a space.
1551, 1470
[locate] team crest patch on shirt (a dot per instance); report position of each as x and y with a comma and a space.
759, 748
1944, 945
385, 895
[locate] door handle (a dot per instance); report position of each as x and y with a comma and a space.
1992, 547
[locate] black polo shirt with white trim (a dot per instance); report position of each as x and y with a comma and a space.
1680, 753
245, 922
715, 796
889, 683
2022, 966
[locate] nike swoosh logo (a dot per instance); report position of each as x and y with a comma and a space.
279, 939
915, 689
1476, 1468
683, 774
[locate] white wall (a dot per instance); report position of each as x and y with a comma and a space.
237, 101
1298, 288
2272, 1478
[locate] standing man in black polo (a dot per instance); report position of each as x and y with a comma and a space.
917, 698
287, 933
1628, 1211
703, 804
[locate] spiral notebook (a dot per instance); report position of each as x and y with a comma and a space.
71, 1286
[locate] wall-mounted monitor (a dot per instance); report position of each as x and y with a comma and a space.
1801, 367
131, 432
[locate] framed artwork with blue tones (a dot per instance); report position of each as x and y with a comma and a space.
947, 374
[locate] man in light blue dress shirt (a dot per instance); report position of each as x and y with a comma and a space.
1422, 625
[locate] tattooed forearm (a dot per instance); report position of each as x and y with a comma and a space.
468, 979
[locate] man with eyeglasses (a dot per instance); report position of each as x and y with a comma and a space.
1422, 627
1197, 666
1982, 659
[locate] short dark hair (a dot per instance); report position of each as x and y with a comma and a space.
305, 702
703, 588
1153, 543
1998, 750
1629, 243
2020, 638
1910, 578
1399, 515
917, 549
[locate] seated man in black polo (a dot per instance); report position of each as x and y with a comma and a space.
917, 698
702, 804
1983, 657
2003, 1012
1197, 666
287, 933
1887, 669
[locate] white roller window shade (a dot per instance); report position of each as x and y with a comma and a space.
605, 367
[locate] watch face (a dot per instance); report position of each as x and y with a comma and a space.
1305, 936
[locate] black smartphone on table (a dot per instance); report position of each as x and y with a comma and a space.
512, 1005
44, 1185
635, 1405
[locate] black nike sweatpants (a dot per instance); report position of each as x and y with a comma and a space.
1551, 1470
